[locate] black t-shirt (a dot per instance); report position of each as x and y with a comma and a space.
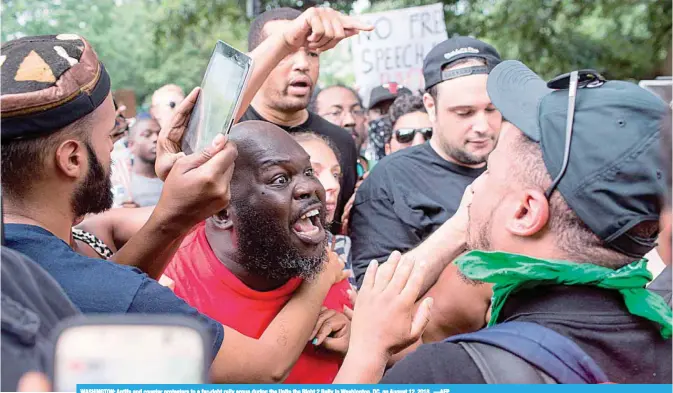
405, 198
628, 348
32, 305
341, 138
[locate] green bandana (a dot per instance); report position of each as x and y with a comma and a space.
510, 272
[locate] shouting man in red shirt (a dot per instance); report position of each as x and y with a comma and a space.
241, 266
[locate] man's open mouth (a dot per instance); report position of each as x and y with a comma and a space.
308, 227
300, 86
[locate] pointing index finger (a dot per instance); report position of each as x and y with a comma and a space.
352, 23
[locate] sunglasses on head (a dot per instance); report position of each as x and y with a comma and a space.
571, 82
406, 135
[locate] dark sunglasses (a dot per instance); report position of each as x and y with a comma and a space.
571, 81
406, 135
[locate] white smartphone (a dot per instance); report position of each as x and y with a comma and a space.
142, 349
221, 93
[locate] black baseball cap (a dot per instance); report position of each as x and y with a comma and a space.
48, 82
453, 49
386, 91
614, 176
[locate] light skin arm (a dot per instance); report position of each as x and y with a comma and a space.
444, 245
385, 305
441, 281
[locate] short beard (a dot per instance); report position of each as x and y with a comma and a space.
94, 194
465, 157
264, 249
285, 105
150, 161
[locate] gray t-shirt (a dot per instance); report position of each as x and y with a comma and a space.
145, 191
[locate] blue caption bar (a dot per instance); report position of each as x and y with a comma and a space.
611, 388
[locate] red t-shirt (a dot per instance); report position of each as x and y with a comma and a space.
206, 284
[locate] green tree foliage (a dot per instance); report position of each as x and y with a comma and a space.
147, 43
124, 34
624, 39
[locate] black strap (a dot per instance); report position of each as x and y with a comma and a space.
460, 72
498, 366
556, 355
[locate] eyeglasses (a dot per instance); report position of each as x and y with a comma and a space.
572, 81
120, 128
406, 135
339, 113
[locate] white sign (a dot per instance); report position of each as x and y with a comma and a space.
395, 50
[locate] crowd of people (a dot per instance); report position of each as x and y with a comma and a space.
404, 237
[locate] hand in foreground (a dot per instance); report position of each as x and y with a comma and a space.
332, 331
169, 148
385, 305
195, 186
353, 297
321, 29
34, 381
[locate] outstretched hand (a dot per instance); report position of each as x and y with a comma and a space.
321, 29
385, 305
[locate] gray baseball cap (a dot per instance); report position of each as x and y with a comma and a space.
614, 176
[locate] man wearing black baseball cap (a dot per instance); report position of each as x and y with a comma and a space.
409, 194
382, 97
562, 219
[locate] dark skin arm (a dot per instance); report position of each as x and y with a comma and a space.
116, 226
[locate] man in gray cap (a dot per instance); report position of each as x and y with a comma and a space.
562, 218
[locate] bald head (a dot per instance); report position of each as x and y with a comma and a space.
272, 190
261, 143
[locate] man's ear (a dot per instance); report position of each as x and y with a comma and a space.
387, 148
430, 106
70, 158
222, 220
529, 213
